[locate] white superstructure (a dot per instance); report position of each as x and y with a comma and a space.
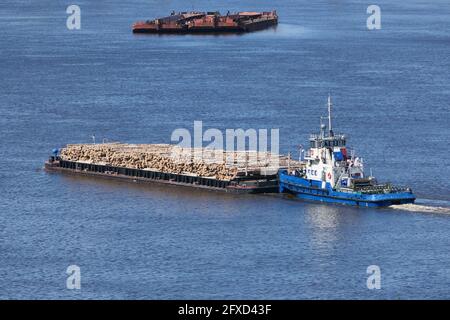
327, 159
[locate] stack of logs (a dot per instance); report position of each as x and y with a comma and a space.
218, 164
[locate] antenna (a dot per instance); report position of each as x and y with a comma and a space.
300, 152
289, 162
329, 115
246, 162
93, 138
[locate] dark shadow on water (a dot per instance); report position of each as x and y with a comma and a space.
206, 34
151, 188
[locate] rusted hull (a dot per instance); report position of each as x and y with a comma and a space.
260, 25
190, 31
145, 29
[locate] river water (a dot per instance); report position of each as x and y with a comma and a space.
390, 89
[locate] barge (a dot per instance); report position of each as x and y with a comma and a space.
208, 22
167, 164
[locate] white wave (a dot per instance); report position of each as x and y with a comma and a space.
421, 208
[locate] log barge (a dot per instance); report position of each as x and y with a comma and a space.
208, 22
248, 172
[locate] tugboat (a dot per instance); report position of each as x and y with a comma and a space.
331, 174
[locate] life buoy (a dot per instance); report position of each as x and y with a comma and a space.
329, 175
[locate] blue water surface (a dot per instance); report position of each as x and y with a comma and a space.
391, 94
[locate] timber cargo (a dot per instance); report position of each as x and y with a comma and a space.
208, 22
230, 171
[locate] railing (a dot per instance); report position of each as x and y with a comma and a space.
336, 136
382, 188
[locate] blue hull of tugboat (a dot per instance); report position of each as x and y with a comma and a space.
312, 190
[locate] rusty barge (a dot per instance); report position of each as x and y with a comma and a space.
208, 22
219, 170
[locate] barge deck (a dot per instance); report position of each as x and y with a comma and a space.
246, 172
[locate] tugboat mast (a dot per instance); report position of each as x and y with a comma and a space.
329, 116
